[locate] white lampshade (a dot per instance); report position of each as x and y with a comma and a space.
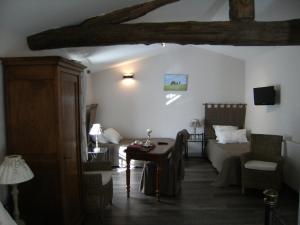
96, 129
195, 123
14, 170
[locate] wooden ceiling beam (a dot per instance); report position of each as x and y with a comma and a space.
241, 10
214, 33
126, 14
108, 29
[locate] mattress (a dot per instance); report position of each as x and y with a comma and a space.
226, 159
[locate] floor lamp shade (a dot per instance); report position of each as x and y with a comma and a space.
14, 170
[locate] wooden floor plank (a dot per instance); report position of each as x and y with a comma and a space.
199, 203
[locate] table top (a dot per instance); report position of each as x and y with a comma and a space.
160, 150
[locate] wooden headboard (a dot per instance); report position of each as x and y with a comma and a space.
223, 114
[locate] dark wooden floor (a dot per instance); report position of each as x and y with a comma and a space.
199, 203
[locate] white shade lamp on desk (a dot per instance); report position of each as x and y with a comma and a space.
95, 131
14, 171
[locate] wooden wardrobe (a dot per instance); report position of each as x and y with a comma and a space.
42, 105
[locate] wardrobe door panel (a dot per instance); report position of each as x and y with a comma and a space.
31, 130
71, 146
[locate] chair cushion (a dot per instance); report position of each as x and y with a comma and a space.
105, 175
260, 165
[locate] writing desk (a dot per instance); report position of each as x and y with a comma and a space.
158, 154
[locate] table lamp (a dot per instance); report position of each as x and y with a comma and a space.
195, 124
13, 171
95, 131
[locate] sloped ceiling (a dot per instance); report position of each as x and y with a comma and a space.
18, 19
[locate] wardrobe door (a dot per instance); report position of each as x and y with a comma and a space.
32, 133
42, 124
29, 94
70, 127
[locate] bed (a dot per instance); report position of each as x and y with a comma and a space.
225, 158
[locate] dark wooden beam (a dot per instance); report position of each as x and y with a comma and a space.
214, 33
126, 14
241, 10
108, 30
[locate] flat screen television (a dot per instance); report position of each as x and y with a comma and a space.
264, 95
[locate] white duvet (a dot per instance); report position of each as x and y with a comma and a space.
5, 218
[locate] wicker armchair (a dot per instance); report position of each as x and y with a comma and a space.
98, 185
262, 166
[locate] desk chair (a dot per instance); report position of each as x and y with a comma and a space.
172, 173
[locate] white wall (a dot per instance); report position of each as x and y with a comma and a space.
89, 90
133, 108
278, 67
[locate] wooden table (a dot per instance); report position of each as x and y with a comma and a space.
158, 155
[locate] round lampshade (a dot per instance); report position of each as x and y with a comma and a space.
14, 170
96, 129
195, 123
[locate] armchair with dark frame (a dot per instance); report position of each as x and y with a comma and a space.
97, 174
98, 185
262, 166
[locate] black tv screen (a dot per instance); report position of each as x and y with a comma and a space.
264, 95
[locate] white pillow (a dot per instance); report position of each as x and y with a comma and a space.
232, 136
101, 138
111, 135
219, 128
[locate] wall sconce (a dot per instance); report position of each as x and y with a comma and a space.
128, 75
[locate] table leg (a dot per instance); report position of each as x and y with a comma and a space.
128, 176
158, 172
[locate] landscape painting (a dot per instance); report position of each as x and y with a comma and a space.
175, 82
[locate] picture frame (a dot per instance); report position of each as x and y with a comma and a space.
175, 82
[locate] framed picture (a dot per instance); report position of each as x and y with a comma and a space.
175, 82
